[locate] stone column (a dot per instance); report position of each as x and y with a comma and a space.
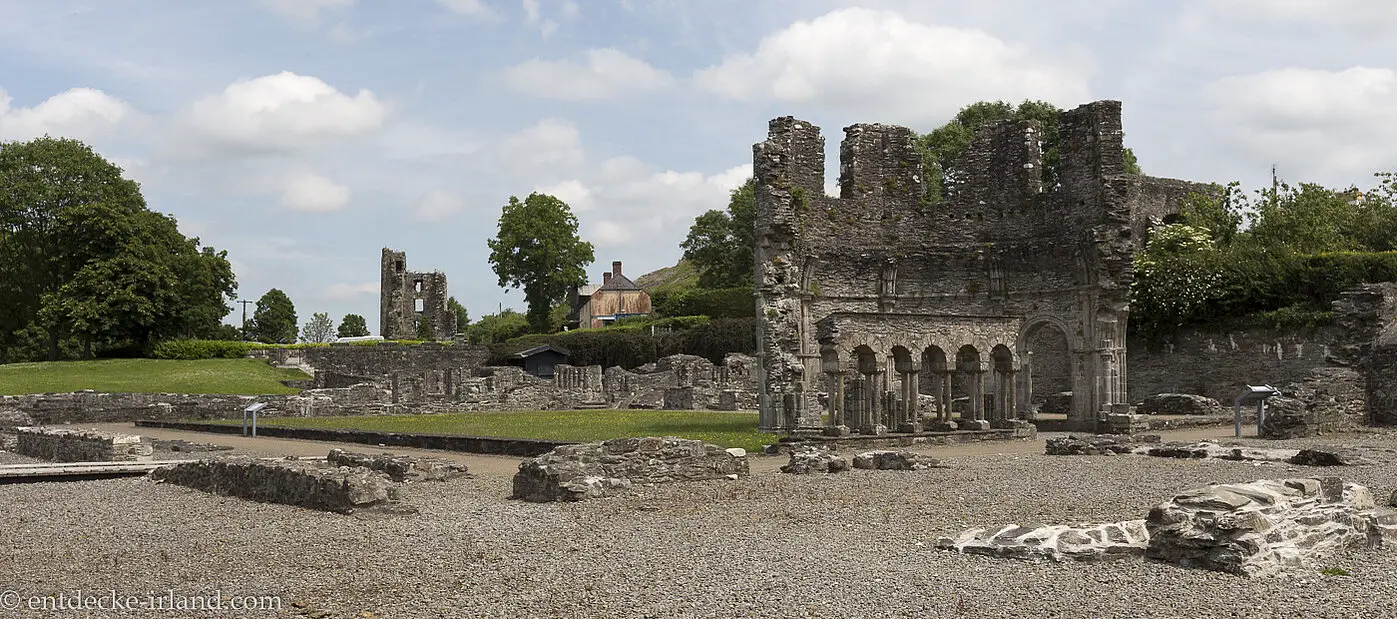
977, 395
1025, 386
837, 425
911, 421
943, 394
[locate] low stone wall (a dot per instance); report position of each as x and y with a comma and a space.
304, 483
64, 445
341, 365
524, 447
399, 467
576, 472
861, 441
96, 407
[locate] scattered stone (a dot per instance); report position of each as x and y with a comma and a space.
806, 460
1264, 526
398, 467
590, 470
15, 419
1179, 404
1329, 457
1288, 418
304, 483
1093, 542
1097, 445
1123, 423
895, 460
183, 446
65, 445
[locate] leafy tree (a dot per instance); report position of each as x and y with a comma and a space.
495, 328
463, 317
319, 329
537, 249
721, 244
353, 325
274, 322
81, 257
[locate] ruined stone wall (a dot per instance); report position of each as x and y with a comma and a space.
64, 445
94, 407
1368, 317
407, 298
1155, 201
1220, 365
341, 365
304, 483
1001, 250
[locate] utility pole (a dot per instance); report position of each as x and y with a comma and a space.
244, 303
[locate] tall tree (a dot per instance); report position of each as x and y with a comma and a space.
537, 249
274, 322
463, 317
720, 244
82, 257
495, 328
353, 325
319, 330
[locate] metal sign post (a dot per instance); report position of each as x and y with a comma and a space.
1254, 393
251, 410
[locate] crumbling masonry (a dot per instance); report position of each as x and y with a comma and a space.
412, 304
880, 295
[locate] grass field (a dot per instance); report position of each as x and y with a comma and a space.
726, 429
237, 376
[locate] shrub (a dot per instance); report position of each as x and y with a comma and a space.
633, 345
201, 349
714, 303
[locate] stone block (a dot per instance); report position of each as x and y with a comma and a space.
1329, 457
1093, 542
399, 468
974, 424
67, 445
806, 460
1179, 404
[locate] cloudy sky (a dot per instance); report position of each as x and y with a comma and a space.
304, 135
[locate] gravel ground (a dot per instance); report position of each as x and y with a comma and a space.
857, 544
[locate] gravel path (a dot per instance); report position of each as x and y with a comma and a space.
852, 545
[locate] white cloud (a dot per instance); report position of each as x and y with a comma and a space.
311, 193
1360, 16
883, 65
346, 291
437, 206
533, 16
1325, 126
469, 8
303, 10
573, 192
608, 73
551, 145
82, 113
649, 208
284, 112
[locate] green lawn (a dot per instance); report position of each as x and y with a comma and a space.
238, 376
726, 429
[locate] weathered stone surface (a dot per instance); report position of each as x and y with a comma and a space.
1179, 404
806, 460
1057, 404
590, 470
65, 445
398, 467
1123, 423
304, 483
895, 460
1057, 543
1260, 527
15, 419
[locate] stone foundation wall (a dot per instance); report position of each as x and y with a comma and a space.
576, 472
340, 365
63, 445
304, 483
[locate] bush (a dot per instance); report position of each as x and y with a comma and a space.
201, 349
714, 303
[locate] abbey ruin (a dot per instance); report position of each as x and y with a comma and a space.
881, 296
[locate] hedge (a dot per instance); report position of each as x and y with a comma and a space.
630, 346
715, 303
201, 349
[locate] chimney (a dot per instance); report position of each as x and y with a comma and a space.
605, 278
615, 268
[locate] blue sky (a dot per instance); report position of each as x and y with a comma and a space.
304, 135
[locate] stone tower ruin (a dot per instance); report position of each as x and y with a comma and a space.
890, 303
409, 300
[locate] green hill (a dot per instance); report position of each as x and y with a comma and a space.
229, 376
682, 276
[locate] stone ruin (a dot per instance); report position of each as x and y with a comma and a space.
344, 482
879, 295
412, 304
67, 445
1248, 529
808, 459
591, 470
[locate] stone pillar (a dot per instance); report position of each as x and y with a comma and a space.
1025, 387
977, 395
911, 421
837, 425
1011, 399
943, 394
